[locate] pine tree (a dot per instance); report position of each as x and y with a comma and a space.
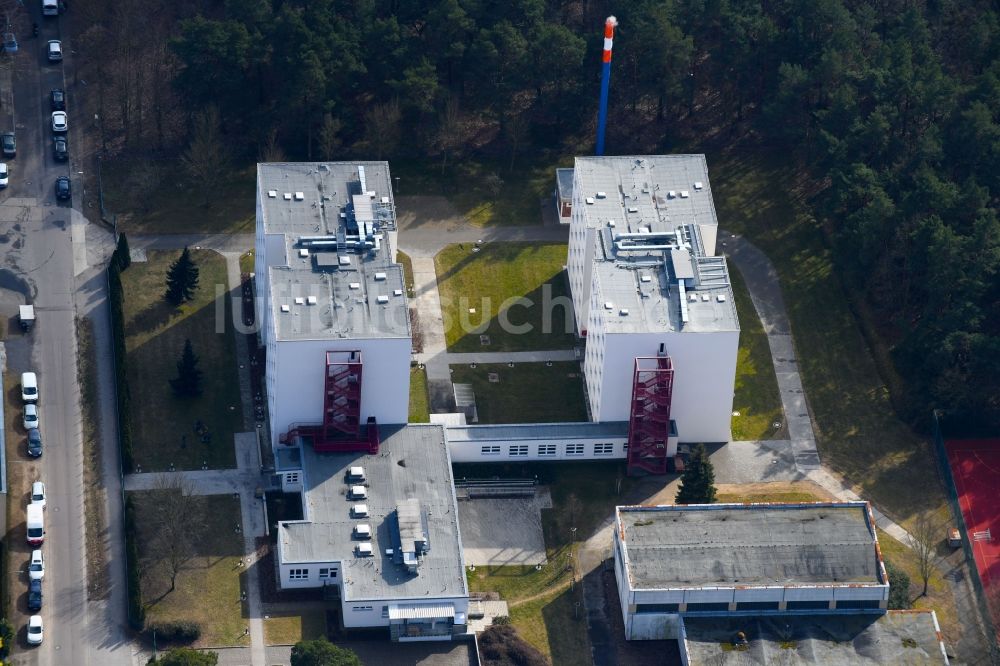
188, 380
698, 480
182, 279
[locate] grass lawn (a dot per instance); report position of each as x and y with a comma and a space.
157, 197
162, 424
526, 393
419, 400
247, 262
208, 587
555, 627
466, 183
757, 399
939, 593
290, 629
858, 432
404, 260
485, 280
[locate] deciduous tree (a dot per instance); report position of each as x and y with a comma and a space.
321, 652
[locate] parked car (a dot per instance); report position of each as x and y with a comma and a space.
57, 99
63, 189
34, 595
38, 493
34, 443
36, 567
9, 144
60, 148
35, 633
30, 416
59, 121
55, 51
29, 387
35, 519
4, 174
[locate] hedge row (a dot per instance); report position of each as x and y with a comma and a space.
120, 260
174, 632
136, 611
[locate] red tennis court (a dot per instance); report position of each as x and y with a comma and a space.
975, 465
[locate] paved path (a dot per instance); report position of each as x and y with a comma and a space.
220, 242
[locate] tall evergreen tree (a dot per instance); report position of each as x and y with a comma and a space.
188, 380
698, 480
182, 279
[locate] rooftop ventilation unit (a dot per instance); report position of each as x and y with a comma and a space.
299, 300
299, 196
693, 298
602, 195
645, 278
699, 185
706, 298
359, 492
385, 200
380, 276
633, 209
356, 473
721, 298
397, 292
685, 194
311, 300
303, 253
361, 177
287, 196
364, 550
383, 299
359, 511
285, 308
355, 285
363, 531
343, 260
611, 223
608, 305
623, 312
590, 201
271, 194
671, 194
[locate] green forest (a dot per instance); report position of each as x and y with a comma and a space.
890, 109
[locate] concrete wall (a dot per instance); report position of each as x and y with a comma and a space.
286, 582
296, 373
369, 612
654, 627
704, 379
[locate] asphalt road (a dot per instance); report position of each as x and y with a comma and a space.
38, 236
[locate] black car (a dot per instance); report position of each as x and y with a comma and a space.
34, 443
60, 149
9, 144
35, 595
63, 189
58, 99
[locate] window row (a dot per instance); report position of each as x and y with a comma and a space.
303, 574
543, 450
758, 606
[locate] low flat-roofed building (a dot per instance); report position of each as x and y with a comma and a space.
745, 559
404, 571
898, 637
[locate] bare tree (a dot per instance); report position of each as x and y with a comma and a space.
171, 518
449, 134
329, 142
382, 128
143, 179
271, 150
925, 538
206, 157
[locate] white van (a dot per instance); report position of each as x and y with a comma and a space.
29, 387
36, 524
50, 7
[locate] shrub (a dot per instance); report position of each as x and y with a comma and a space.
6, 636
501, 646
136, 611
899, 587
175, 632
501, 620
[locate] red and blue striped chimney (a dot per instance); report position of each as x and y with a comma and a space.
602, 112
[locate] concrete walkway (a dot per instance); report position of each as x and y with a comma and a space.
765, 291
219, 242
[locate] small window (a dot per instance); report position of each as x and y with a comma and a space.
361, 609
656, 608
807, 605
385, 612
707, 607
574, 449
546, 449
756, 605
298, 574
858, 603
606, 449
519, 450
492, 450
327, 572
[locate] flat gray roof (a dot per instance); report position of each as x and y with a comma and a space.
339, 278
583, 430
897, 637
564, 183
412, 463
649, 212
755, 544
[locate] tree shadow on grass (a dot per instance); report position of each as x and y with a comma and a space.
151, 318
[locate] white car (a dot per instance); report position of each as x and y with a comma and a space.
4, 174
38, 493
35, 630
54, 50
30, 416
29, 387
59, 121
36, 568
